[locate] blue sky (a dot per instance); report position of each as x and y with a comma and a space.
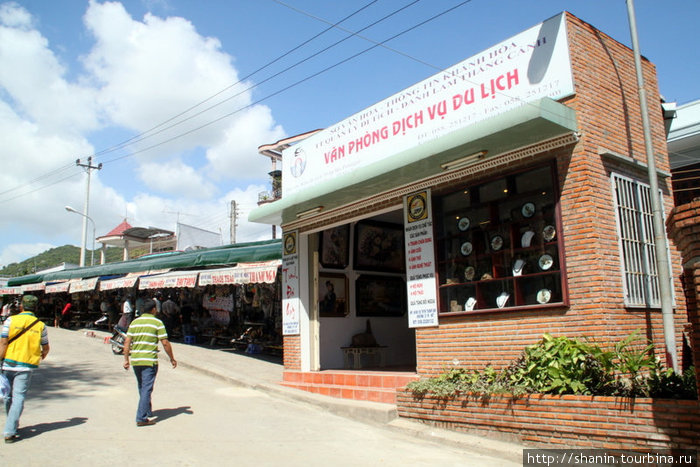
79, 78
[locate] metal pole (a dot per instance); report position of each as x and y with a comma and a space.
664, 270
85, 214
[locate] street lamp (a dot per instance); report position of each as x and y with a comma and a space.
82, 248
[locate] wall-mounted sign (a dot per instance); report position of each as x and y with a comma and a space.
291, 303
529, 66
420, 260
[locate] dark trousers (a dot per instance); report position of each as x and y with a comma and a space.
145, 379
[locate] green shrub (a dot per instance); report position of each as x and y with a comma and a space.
560, 365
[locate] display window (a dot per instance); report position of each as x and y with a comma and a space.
499, 244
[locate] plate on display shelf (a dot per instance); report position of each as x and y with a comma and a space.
469, 273
544, 296
526, 239
549, 232
528, 209
496, 242
463, 224
466, 248
545, 262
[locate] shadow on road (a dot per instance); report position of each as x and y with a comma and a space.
164, 414
35, 430
52, 381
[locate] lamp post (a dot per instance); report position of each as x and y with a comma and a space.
82, 249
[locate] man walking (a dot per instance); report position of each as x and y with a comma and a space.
142, 345
24, 343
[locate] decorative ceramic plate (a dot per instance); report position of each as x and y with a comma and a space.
496, 242
526, 239
463, 224
545, 262
544, 296
466, 248
502, 299
528, 209
549, 233
518, 267
469, 273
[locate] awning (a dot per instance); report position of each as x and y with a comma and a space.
169, 280
243, 273
120, 283
84, 285
528, 124
224, 256
34, 287
58, 287
10, 290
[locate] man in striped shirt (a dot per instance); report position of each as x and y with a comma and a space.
142, 345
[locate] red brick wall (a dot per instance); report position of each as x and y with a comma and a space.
608, 114
567, 421
684, 226
292, 353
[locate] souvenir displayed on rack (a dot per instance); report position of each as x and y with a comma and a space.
466, 248
469, 304
544, 296
486, 276
502, 299
526, 239
496, 242
463, 224
469, 272
518, 267
545, 262
549, 233
528, 209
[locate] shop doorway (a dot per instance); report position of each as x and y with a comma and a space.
361, 296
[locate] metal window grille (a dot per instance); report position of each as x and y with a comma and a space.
636, 238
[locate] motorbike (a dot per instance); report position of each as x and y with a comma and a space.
119, 333
117, 340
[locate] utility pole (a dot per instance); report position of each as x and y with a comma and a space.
88, 168
664, 270
234, 219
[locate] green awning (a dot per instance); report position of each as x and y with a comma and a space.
220, 256
526, 125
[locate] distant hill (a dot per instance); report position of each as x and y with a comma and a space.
55, 257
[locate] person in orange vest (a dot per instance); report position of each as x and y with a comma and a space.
24, 343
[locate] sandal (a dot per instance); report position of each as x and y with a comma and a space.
11, 439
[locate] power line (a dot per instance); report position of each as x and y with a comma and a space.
145, 134
286, 88
269, 78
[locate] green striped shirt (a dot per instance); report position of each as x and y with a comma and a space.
145, 333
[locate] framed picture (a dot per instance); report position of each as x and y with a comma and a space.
335, 247
380, 296
332, 295
379, 247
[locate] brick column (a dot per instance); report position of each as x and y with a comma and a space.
683, 227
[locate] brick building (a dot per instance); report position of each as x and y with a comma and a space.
464, 217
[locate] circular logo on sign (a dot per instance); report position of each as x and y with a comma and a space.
299, 163
417, 207
290, 244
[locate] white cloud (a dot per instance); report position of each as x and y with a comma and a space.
137, 74
177, 179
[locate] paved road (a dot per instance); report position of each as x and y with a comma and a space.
81, 406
